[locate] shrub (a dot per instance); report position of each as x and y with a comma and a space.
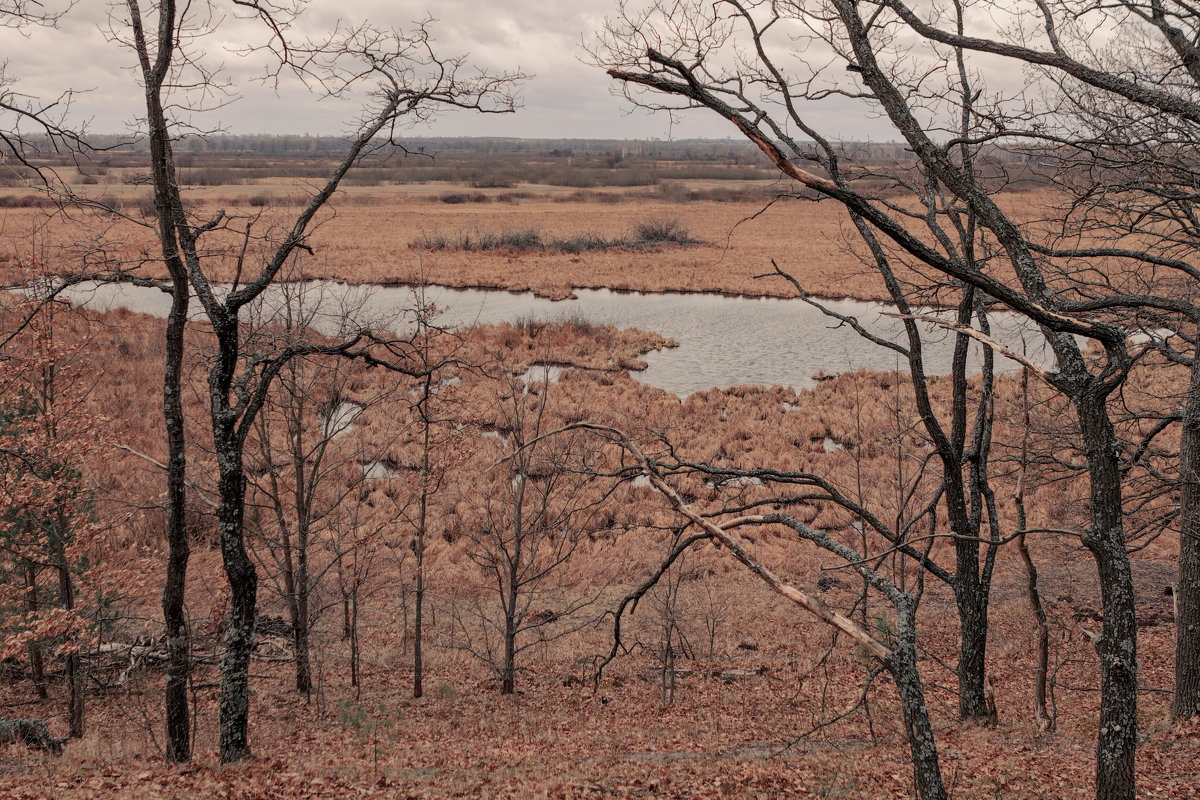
512, 197
647, 234
25, 201
431, 241
657, 232
512, 240
585, 243
493, 180
455, 198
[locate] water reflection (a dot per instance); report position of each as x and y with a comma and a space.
723, 341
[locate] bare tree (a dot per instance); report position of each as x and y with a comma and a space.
533, 508
960, 434
405, 80
438, 444
724, 58
1129, 240
302, 468
31, 126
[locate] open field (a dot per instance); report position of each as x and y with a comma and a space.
376, 237
379, 229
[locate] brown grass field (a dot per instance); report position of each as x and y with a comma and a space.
757, 681
373, 236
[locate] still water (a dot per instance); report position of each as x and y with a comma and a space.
723, 341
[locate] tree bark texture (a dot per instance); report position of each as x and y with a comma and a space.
178, 548
239, 637
1186, 702
1116, 744
902, 664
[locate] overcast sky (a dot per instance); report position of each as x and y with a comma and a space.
564, 98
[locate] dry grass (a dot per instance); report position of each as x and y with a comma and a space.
566, 740
367, 240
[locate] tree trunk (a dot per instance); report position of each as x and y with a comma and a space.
508, 670
303, 661
37, 669
1042, 715
508, 682
973, 626
344, 590
168, 209
1116, 745
1186, 702
1041, 710
353, 629
902, 664
419, 548
301, 623
418, 658
243, 586
75, 707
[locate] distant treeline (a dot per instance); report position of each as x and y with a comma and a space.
487, 163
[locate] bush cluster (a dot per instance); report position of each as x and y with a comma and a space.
646, 235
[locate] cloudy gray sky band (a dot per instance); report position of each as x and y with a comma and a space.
565, 97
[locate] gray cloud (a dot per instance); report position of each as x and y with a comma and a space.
564, 98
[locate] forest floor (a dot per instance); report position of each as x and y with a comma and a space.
746, 721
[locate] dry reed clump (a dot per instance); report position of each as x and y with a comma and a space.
646, 235
527, 343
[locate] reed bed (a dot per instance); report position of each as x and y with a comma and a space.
857, 429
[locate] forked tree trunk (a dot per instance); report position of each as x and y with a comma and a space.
168, 211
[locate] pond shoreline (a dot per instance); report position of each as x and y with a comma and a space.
723, 340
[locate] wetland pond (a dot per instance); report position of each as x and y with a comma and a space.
723, 341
